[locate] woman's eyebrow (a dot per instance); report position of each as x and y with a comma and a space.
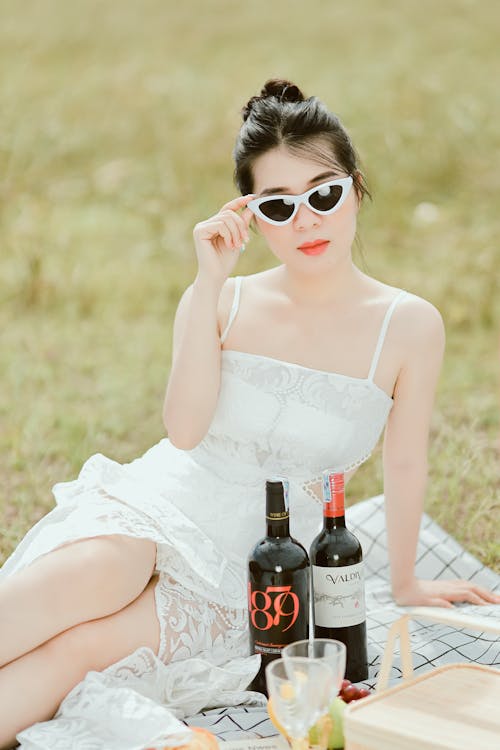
273, 190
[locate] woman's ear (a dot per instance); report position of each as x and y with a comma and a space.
360, 186
357, 179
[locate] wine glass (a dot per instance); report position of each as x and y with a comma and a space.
327, 650
300, 690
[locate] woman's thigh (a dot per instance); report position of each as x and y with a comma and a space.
129, 561
109, 639
77, 582
33, 686
93, 577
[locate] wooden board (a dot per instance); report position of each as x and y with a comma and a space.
455, 707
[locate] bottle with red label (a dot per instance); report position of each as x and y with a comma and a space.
338, 581
278, 584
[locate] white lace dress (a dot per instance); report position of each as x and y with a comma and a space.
204, 508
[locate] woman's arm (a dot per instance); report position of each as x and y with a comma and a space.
193, 385
405, 461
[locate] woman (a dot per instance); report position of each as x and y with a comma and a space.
290, 371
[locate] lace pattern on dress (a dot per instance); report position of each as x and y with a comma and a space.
193, 626
312, 487
279, 417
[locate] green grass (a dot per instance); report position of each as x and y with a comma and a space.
118, 121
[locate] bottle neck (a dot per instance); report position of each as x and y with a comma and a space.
277, 529
277, 515
335, 522
333, 502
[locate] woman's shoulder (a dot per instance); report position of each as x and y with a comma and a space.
225, 302
416, 336
415, 322
411, 309
251, 283
257, 290
418, 314
417, 326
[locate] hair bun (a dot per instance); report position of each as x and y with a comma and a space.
285, 91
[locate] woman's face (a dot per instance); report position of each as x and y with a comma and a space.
293, 175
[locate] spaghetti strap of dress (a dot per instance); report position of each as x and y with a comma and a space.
383, 330
234, 307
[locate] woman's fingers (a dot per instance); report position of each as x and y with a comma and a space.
237, 203
231, 226
229, 232
237, 226
220, 226
246, 215
480, 595
441, 593
465, 591
488, 596
439, 603
218, 238
214, 229
466, 596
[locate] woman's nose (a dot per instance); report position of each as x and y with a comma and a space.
305, 218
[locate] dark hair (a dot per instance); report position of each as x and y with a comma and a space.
281, 115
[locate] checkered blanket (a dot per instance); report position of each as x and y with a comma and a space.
438, 556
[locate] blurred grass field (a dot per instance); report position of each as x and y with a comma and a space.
117, 126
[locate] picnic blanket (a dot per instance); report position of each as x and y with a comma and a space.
153, 710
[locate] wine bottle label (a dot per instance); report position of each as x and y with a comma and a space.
275, 608
278, 615
339, 596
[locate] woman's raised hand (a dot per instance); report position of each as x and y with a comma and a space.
219, 239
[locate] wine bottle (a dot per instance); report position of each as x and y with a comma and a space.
278, 584
338, 581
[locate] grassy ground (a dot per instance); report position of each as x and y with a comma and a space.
118, 121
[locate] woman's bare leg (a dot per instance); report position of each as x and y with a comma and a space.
81, 581
33, 686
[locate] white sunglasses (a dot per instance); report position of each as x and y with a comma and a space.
322, 199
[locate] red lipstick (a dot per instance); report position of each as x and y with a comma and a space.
314, 248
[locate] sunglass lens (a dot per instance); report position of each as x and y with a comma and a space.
277, 210
326, 198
